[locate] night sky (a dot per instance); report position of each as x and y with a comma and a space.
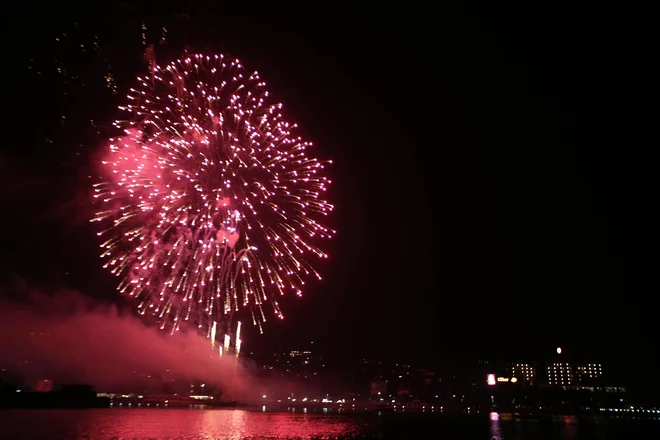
493, 174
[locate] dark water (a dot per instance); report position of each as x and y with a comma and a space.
106, 424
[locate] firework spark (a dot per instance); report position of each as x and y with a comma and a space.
212, 203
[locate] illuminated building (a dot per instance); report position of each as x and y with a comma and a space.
560, 373
589, 374
524, 372
590, 371
567, 375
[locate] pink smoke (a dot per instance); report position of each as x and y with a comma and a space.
66, 337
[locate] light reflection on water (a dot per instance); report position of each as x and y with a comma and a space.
174, 424
565, 429
495, 429
184, 424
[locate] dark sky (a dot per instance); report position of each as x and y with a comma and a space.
493, 173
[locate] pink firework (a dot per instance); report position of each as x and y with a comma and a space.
211, 202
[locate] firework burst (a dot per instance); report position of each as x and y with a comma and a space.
211, 203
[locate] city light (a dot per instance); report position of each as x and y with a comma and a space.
558, 350
491, 380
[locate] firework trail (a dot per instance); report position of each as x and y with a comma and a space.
211, 203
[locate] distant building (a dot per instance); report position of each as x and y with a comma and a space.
525, 373
378, 388
198, 388
560, 374
589, 372
44, 386
567, 374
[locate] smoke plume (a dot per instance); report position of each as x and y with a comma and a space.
66, 337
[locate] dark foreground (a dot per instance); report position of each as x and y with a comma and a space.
193, 424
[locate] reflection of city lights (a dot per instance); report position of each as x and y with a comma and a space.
491, 380
495, 430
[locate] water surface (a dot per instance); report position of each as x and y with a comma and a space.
185, 424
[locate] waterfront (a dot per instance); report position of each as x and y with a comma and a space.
117, 424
